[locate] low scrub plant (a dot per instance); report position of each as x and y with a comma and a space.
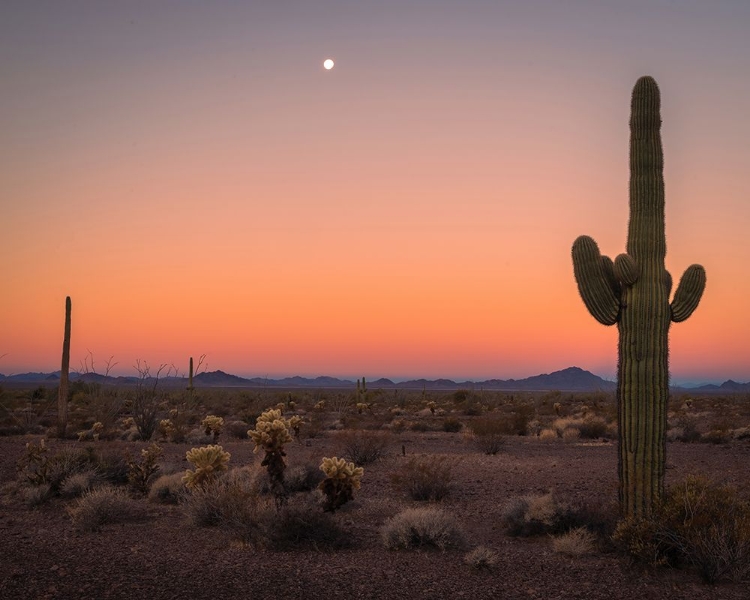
699, 524
208, 462
534, 514
342, 478
362, 447
231, 499
422, 528
575, 542
426, 478
77, 484
105, 505
481, 558
452, 425
167, 489
489, 434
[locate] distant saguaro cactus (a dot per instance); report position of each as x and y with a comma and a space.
62, 398
633, 291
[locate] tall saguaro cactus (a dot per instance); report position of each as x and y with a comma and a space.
62, 398
633, 291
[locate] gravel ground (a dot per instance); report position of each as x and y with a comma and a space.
163, 557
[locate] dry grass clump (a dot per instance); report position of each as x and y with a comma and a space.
571, 434
77, 484
422, 528
481, 558
36, 495
362, 447
426, 478
103, 506
576, 542
167, 489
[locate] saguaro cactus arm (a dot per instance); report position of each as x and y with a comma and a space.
689, 292
595, 283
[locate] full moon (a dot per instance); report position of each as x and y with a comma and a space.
328, 64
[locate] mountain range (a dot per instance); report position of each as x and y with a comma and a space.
572, 379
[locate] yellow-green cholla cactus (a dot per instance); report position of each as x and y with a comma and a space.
271, 433
342, 478
213, 425
208, 461
295, 422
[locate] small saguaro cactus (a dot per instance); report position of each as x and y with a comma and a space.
633, 291
62, 397
361, 392
342, 478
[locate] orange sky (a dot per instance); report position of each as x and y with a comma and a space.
198, 183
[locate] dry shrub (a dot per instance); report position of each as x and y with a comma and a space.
547, 435
489, 434
237, 429
452, 425
575, 542
168, 489
420, 528
300, 524
593, 428
534, 515
77, 484
362, 447
481, 558
36, 495
231, 497
104, 506
699, 524
302, 478
425, 478
571, 434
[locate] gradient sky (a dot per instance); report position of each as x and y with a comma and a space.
196, 181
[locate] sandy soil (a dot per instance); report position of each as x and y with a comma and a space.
164, 557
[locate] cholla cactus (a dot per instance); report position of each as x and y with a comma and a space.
213, 425
208, 461
432, 406
320, 405
271, 433
34, 464
362, 407
295, 422
140, 472
342, 478
167, 428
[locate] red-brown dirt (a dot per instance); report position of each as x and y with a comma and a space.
165, 557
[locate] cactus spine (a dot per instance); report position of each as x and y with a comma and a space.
633, 291
62, 397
